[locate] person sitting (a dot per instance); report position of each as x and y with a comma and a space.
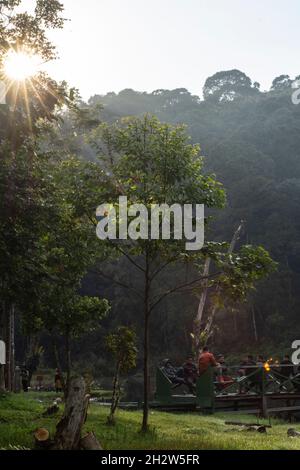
250, 368
222, 367
287, 367
173, 373
242, 369
242, 373
257, 379
223, 379
260, 361
190, 374
206, 359
282, 370
296, 379
25, 378
58, 381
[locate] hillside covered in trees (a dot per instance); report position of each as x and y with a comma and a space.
250, 139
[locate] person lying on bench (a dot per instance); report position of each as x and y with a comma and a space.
174, 374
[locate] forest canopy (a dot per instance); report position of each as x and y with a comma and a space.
250, 140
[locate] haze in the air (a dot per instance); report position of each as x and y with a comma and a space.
110, 45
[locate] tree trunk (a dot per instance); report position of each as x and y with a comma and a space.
2, 378
68, 430
58, 364
146, 376
115, 396
2, 338
146, 348
198, 319
68, 356
211, 316
90, 442
254, 324
10, 347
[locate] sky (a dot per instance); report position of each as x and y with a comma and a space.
109, 45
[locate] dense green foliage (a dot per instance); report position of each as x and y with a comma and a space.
46, 245
250, 140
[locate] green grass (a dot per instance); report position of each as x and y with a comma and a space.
21, 414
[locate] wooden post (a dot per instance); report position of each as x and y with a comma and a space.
2, 365
10, 347
264, 404
17, 381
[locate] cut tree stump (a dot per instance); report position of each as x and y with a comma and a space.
68, 430
90, 442
42, 438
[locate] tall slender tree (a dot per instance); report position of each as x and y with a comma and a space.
154, 163
27, 103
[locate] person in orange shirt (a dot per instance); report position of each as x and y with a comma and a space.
206, 359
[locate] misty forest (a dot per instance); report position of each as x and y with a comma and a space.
114, 311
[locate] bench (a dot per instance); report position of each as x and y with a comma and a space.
205, 397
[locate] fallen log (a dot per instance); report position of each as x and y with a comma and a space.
252, 428
237, 423
260, 429
68, 430
293, 433
90, 442
51, 410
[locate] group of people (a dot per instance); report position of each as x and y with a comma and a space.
281, 370
250, 368
184, 375
189, 371
25, 379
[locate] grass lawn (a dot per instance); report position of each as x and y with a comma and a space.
21, 414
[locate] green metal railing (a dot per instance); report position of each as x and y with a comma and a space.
260, 381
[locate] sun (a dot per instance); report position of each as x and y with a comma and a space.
20, 66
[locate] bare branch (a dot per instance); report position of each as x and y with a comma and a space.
116, 281
130, 259
162, 267
181, 288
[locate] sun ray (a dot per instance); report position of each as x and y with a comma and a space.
37, 95
25, 92
20, 65
21, 70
